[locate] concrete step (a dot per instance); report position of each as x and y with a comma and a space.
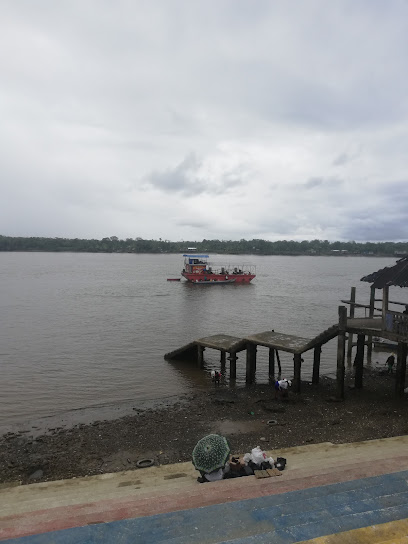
309, 458
261, 520
307, 507
204, 495
250, 523
109, 497
164, 481
234, 489
279, 535
386, 533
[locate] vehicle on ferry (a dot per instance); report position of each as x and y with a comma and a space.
197, 269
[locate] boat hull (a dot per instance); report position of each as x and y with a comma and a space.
217, 278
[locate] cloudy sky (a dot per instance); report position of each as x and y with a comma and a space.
192, 119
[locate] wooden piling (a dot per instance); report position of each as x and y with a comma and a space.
386, 291
341, 344
316, 364
297, 363
401, 369
279, 364
359, 362
370, 337
233, 365
350, 337
222, 359
200, 356
271, 364
250, 362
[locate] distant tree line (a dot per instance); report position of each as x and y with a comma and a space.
113, 244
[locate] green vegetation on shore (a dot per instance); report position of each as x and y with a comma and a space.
260, 247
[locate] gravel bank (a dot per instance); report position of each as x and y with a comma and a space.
168, 434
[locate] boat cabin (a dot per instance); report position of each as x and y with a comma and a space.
196, 264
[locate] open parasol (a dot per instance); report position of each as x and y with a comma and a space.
211, 453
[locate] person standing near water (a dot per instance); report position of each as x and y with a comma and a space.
390, 362
281, 388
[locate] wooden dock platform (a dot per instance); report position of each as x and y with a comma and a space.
277, 341
274, 341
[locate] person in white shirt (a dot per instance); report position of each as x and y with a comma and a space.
281, 388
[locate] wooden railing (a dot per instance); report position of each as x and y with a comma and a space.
396, 323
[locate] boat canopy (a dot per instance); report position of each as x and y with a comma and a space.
197, 256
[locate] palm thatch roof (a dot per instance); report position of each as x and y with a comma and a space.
390, 275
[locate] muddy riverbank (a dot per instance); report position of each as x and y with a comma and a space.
167, 433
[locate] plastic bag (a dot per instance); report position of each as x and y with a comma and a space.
257, 457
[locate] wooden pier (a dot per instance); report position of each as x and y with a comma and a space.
275, 341
386, 324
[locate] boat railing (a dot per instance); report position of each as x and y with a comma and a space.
231, 269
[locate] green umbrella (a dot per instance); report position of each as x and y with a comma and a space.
211, 453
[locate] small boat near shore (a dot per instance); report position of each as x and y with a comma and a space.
198, 270
384, 345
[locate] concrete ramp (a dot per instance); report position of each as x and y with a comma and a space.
337, 493
222, 342
270, 339
279, 341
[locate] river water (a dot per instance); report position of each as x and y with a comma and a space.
88, 330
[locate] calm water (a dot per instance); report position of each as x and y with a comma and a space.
83, 330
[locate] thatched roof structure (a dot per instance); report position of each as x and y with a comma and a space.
390, 275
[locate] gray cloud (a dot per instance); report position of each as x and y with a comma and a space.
297, 118
191, 177
343, 158
183, 178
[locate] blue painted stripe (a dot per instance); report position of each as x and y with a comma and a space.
283, 519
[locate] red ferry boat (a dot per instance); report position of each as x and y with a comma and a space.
197, 269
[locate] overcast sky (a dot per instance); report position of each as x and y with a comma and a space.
192, 119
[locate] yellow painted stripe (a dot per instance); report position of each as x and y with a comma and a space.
394, 532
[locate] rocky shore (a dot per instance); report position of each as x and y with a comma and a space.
246, 416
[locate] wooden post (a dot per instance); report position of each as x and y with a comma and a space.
222, 360
233, 365
279, 364
386, 291
359, 361
271, 364
316, 364
200, 356
401, 369
341, 344
350, 336
297, 363
370, 337
250, 362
